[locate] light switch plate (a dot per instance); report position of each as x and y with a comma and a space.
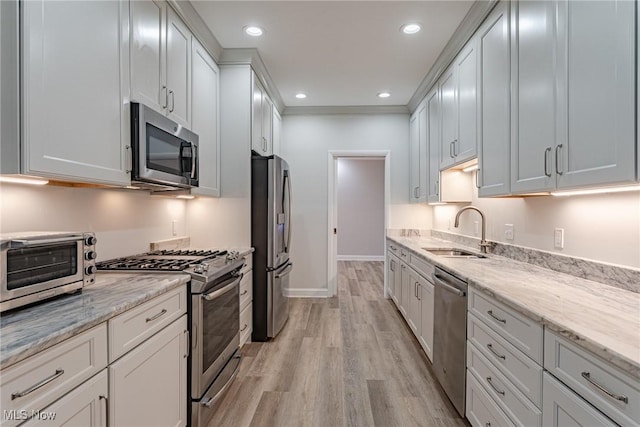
558, 238
508, 231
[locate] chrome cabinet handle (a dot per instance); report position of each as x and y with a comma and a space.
244, 328
152, 318
188, 343
392, 265
451, 151
455, 142
173, 101
478, 178
393, 247
244, 292
418, 289
490, 313
500, 392
106, 406
166, 97
487, 425
558, 148
44, 382
619, 397
437, 187
547, 151
498, 355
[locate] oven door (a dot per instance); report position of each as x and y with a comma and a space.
216, 331
32, 266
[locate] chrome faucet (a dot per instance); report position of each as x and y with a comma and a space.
483, 243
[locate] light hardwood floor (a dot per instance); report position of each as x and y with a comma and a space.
343, 361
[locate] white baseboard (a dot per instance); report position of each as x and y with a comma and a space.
306, 293
360, 257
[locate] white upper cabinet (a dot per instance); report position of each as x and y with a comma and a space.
466, 64
534, 110
261, 117
494, 93
161, 60
277, 127
418, 154
433, 143
597, 57
448, 118
75, 103
206, 119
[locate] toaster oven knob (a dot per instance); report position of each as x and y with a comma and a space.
89, 255
91, 270
90, 241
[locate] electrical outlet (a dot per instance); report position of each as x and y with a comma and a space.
476, 228
449, 225
558, 238
508, 231
174, 227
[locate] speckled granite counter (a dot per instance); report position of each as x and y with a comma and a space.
27, 331
602, 319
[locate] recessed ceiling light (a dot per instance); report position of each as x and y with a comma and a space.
410, 28
384, 95
301, 95
253, 31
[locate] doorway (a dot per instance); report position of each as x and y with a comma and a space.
358, 208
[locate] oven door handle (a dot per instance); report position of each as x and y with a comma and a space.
228, 286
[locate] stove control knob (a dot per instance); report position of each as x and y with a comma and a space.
89, 255
90, 241
200, 268
90, 270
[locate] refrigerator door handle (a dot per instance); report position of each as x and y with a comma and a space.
287, 269
288, 179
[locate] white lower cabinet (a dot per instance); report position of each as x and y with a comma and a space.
85, 406
562, 407
148, 386
426, 317
482, 410
246, 301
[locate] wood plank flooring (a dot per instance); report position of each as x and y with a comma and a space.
343, 361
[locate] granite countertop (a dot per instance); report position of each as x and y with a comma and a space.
600, 318
27, 331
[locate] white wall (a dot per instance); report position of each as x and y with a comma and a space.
306, 141
602, 227
360, 194
124, 221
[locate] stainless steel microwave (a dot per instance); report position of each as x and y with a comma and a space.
38, 265
165, 154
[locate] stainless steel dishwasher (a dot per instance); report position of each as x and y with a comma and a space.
450, 336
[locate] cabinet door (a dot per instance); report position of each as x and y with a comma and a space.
178, 70
148, 60
206, 119
257, 140
277, 127
414, 158
413, 319
406, 293
598, 145
433, 142
392, 265
148, 386
534, 111
449, 117
85, 406
423, 148
562, 407
426, 317
493, 155
76, 90
267, 117
466, 64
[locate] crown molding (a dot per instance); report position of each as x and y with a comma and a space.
355, 109
470, 23
198, 27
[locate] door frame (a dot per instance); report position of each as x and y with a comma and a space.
332, 213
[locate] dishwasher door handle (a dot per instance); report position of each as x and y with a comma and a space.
440, 282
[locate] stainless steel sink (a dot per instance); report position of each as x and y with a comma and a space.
453, 253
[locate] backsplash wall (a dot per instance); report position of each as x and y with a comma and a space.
124, 221
603, 227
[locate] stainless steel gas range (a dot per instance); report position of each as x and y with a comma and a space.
213, 312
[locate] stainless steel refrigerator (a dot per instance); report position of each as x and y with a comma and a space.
271, 238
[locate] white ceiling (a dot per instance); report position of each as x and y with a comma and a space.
340, 53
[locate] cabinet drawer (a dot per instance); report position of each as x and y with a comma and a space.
576, 368
246, 289
562, 407
131, 328
481, 410
515, 404
57, 369
423, 267
248, 264
523, 372
394, 248
523, 333
246, 323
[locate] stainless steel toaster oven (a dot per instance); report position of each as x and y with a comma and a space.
39, 265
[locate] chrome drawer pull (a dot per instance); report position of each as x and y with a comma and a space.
490, 313
42, 383
244, 328
106, 406
487, 425
244, 292
500, 392
621, 398
498, 355
162, 313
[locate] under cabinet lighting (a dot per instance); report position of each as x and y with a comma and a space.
131, 187
471, 168
410, 28
596, 191
437, 203
384, 95
185, 196
253, 31
23, 180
